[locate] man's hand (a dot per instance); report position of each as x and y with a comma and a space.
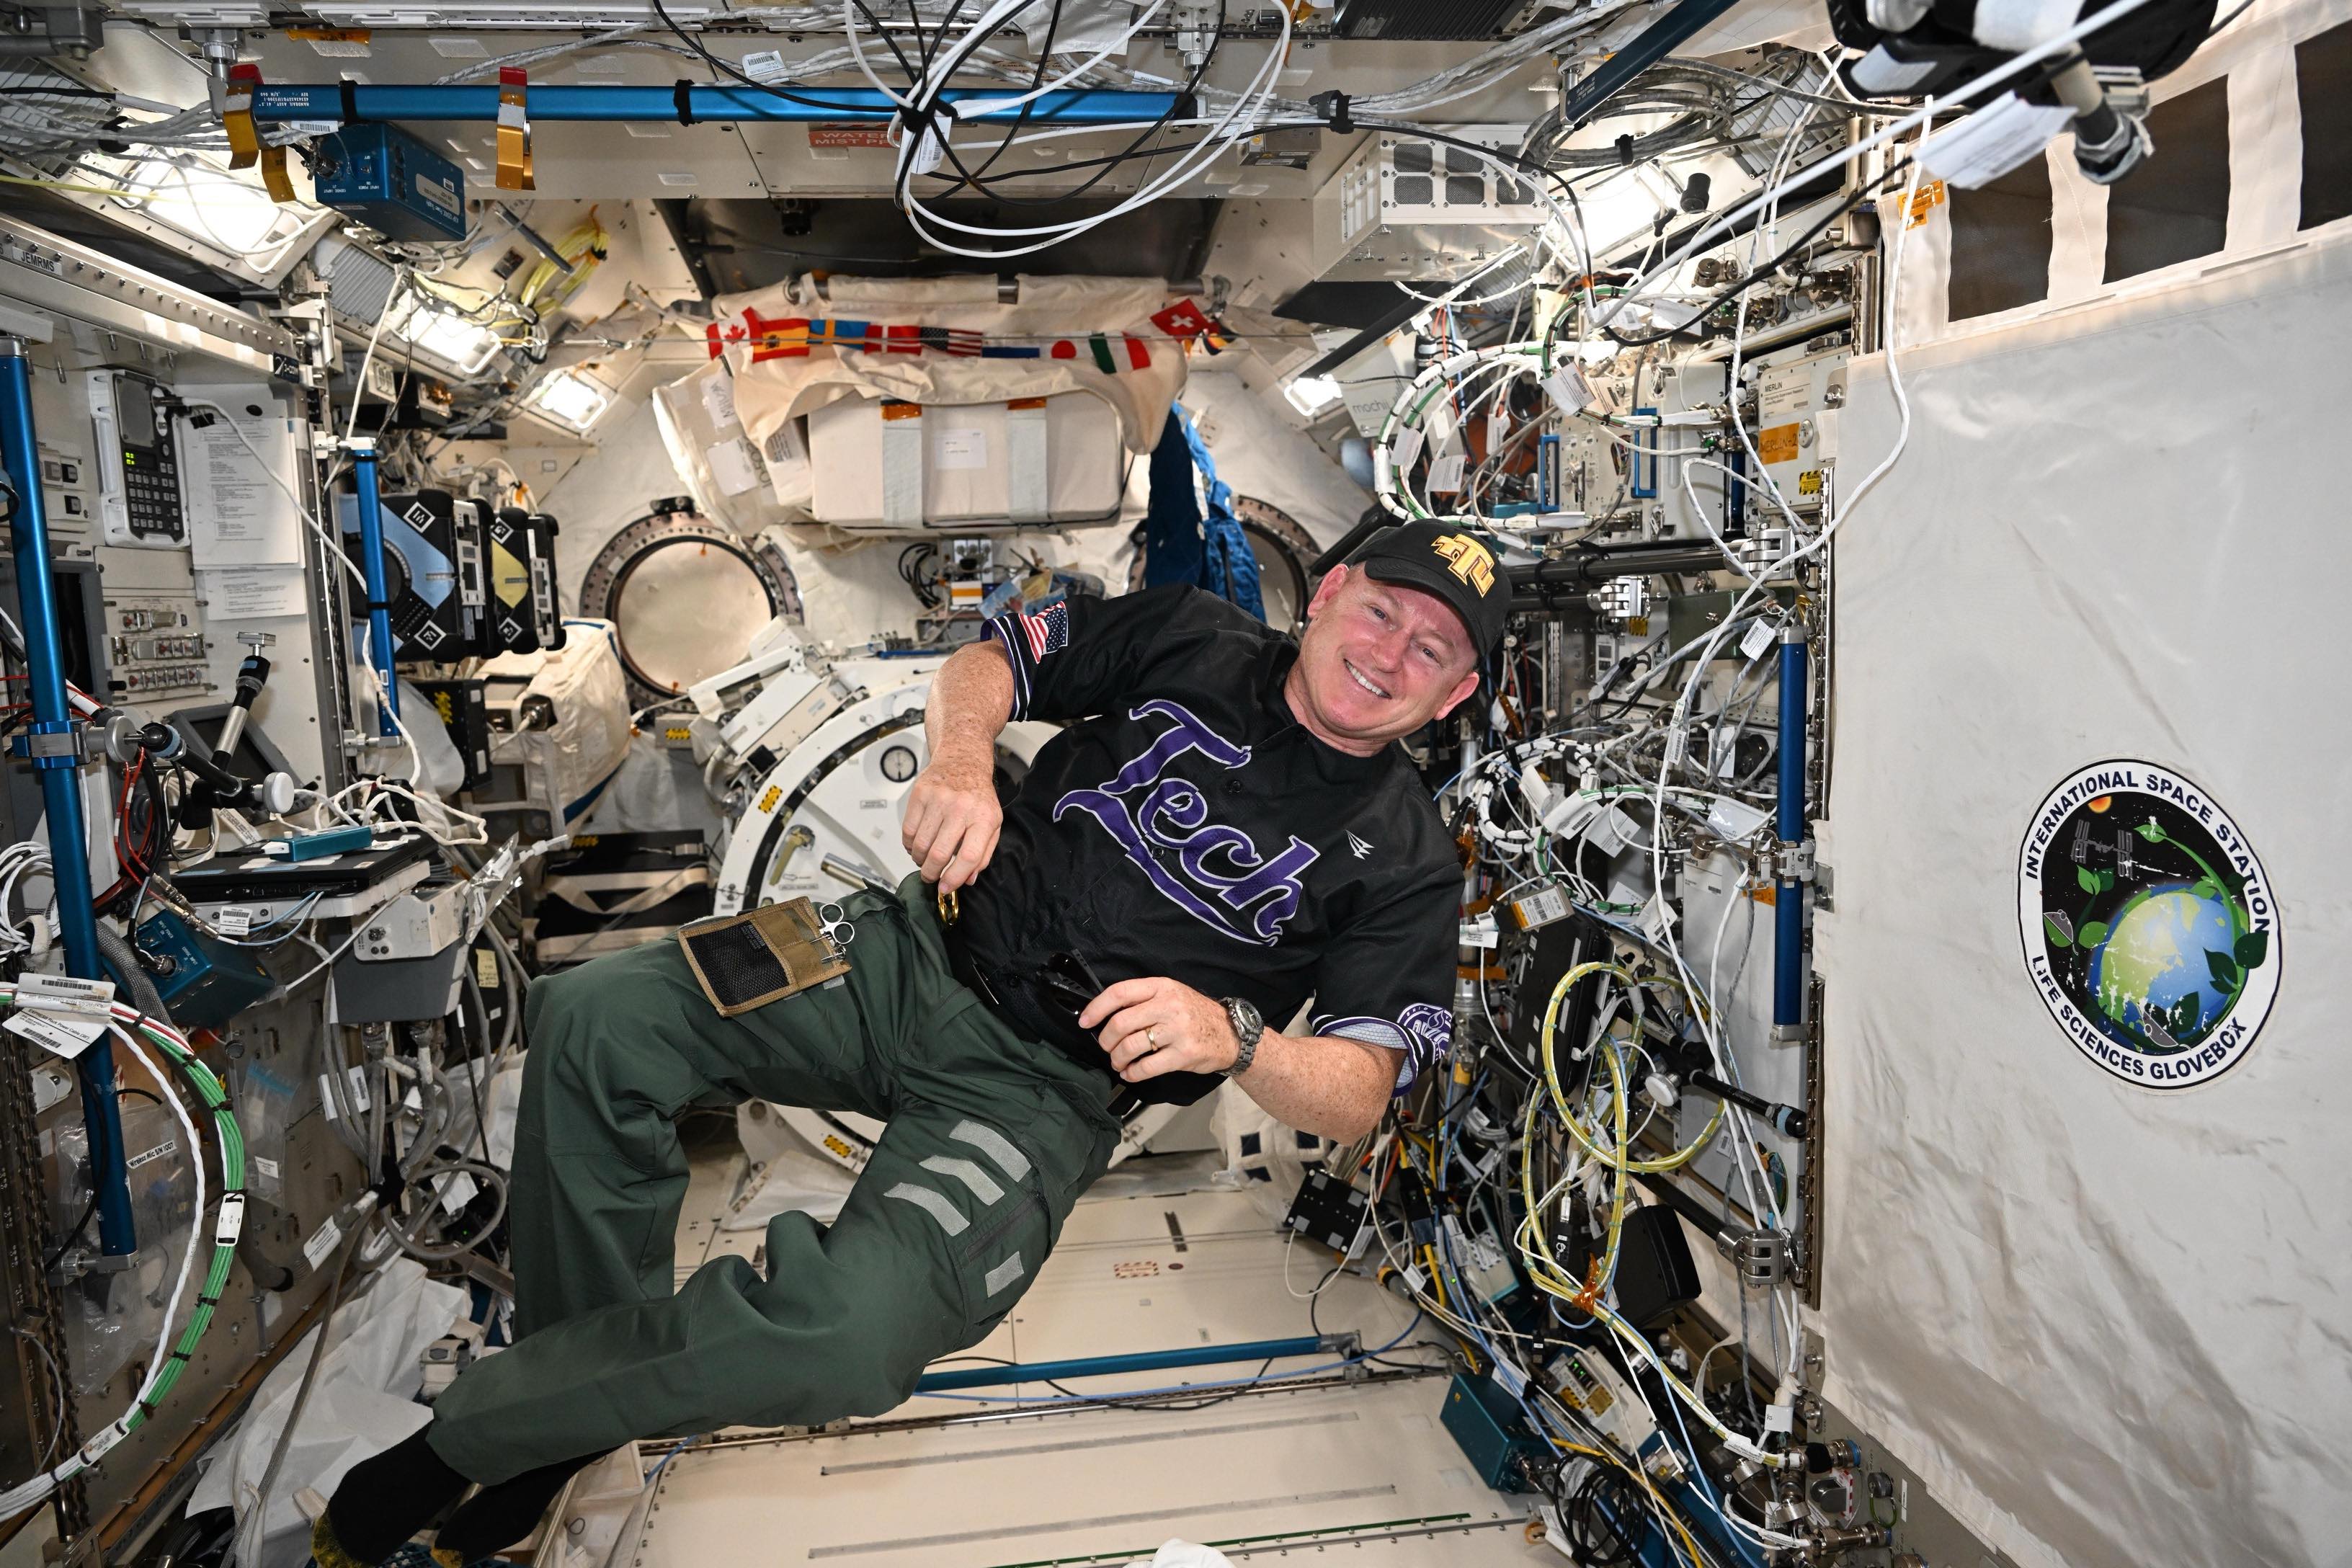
1156, 1026
951, 822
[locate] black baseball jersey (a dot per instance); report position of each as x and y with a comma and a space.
1186, 825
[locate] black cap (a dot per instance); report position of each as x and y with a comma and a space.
1453, 563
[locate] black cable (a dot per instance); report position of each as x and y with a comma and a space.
1110, 161
1767, 269
50, 1263
1036, 79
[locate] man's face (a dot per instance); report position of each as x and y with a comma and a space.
1379, 660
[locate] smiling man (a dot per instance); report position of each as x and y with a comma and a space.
1225, 829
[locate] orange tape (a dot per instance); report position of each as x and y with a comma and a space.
514, 131
236, 116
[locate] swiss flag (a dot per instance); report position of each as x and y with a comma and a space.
1182, 319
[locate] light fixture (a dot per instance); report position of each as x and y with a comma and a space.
572, 398
467, 346
1312, 394
204, 203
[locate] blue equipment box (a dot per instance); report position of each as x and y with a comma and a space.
392, 182
202, 982
1494, 1436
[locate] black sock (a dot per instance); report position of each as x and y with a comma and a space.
384, 1499
499, 1515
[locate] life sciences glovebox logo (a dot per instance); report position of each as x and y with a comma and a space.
2149, 925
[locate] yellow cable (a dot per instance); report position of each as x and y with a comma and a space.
115, 191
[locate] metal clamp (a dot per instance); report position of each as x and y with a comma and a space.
51, 743
1760, 1258
1793, 862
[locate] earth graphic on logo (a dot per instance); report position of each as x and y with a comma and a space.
2153, 976
2154, 941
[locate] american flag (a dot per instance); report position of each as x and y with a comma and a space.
1048, 630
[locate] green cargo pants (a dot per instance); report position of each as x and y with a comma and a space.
991, 1139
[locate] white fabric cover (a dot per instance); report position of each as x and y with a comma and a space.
363, 1403
769, 392
567, 764
2107, 1324
746, 487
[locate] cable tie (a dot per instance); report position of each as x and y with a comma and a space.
350, 95
681, 93
1333, 107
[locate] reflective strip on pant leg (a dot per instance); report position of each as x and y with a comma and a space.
1004, 1274
924, 1198
970, 1175
995, 1145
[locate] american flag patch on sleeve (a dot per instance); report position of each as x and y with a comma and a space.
1046, 631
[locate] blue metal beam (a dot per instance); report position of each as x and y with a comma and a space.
1788, 897
370, 504
285, 102
55, 750
1145, 1361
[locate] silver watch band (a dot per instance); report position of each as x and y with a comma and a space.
1247, 1039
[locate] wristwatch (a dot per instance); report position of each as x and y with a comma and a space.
1249, 1027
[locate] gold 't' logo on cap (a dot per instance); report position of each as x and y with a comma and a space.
1471, 560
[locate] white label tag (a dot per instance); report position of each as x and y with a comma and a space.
1479, 931
265, 1167
64, 994
357, 1080
1733, 820
1779, 1419
718, 401
157, 1152
458, 1190
322, 1245
233, 921
1611, 831
1760, 636
731, 465
963, 449
1446, 473
1414, 1277
1512, 1381
1494, 1157
1498, 430
1568, 390
65, 1034
231, 1220
1404, 449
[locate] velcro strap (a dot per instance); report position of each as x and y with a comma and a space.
902, 465
1028, 467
